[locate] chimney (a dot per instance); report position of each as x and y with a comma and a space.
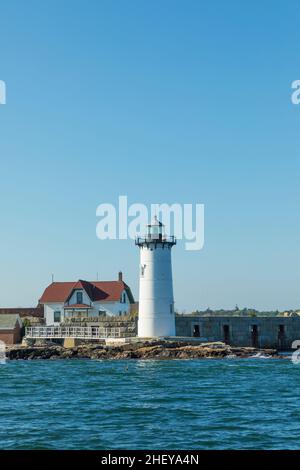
120, 276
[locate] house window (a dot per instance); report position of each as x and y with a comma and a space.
102, 313
123, 298
57, 316
79, 298
120, 313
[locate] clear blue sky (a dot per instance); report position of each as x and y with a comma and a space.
165, 101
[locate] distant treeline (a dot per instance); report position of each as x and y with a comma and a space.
244, 312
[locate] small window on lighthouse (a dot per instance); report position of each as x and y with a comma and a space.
143, 266
171, 308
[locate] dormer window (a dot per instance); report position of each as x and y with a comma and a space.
79, 297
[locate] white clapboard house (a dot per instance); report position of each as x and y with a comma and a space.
84, 299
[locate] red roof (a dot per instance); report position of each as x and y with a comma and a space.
37, 312
105, 291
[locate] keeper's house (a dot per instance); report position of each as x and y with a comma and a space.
10, 328
85, 299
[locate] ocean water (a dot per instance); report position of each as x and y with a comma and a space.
192, 404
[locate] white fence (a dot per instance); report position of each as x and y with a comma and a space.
80, 332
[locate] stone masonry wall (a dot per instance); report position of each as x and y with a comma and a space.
264, 332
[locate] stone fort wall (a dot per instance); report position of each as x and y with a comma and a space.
262, 332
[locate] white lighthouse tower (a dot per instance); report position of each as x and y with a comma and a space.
156, 302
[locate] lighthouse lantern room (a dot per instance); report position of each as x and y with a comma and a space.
156, 301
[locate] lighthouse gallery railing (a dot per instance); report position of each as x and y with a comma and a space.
171, 240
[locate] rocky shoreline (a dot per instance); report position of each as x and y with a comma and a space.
138, 350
